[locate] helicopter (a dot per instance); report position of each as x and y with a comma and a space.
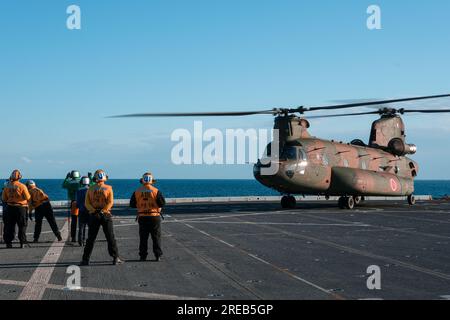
307, 165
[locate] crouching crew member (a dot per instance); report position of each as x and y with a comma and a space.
99, 202
16, 197
83, 213
148, 200
72, 184
40, 203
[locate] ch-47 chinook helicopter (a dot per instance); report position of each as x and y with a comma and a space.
351, 171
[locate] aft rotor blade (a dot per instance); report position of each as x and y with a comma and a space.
373, 103
381, 111
197, 114
425, 111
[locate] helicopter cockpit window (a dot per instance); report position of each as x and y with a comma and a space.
302, 155
289, 153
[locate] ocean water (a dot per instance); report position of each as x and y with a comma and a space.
123, 189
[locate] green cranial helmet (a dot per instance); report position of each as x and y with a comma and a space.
75, 174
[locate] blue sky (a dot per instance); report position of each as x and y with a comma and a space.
57, 85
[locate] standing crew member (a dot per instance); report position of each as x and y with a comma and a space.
16, 196
83, 214
148, 200
99, 202
91, 179
4, 207
72, 184
43, 208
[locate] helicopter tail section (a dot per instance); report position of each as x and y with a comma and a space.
360, 182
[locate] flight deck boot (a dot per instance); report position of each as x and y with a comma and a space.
117, 261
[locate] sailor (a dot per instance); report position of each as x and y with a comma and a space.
72, 184
4, 207
99, 202
16, 196
83, 215
148, 200
40, 203
91, 179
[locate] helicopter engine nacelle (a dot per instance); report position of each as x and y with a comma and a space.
399, 148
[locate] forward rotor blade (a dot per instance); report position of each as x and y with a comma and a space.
197, 114
373, 103
344, 115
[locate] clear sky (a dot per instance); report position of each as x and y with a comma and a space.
57, 86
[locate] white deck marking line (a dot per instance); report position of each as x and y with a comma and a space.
242, 214
13, 283
123, 293
404, 230
410, 218
230, 277
267, 263
35, 288
260, 223
363, 253
43, 232
279, 223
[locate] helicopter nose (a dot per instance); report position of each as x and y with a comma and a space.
267, 172
266, 169
257, 173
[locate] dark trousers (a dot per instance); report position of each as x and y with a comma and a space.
73, 227
83, 220
150, 226
12, 217
73, 222
105, 221
45, 210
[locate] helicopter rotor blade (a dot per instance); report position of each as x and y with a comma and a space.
301, 110
344, 115
424, 111
371, 103
381, 112
197, 114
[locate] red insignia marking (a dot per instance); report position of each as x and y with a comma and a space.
393, 185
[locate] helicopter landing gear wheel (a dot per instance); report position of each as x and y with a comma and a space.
411, 200
288, 202
349, 203
346, 203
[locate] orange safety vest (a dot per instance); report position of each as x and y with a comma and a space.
100, 197
74, 211
38, 197
146, 201
16, 194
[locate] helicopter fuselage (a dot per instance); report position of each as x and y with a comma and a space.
321, 167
